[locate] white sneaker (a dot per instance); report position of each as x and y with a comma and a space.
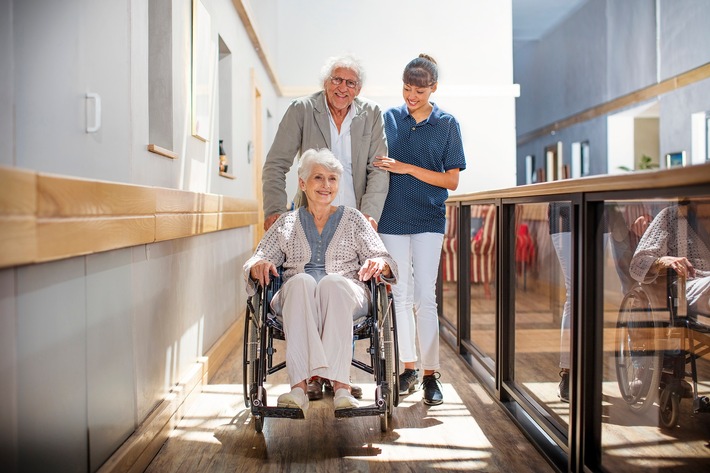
294, 399
344, 400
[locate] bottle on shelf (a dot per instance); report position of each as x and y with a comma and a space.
223, 162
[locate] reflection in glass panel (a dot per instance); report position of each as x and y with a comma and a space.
543, 263
483, 265
449, 268
656, 417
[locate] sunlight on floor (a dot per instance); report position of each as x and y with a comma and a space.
420, 433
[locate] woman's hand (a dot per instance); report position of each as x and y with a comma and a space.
679, 264
261, 271
391, 165
448, 179
372, 268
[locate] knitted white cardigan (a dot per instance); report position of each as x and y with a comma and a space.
354, 241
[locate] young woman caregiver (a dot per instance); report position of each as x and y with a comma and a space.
425, 157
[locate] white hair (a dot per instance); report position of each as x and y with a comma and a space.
323, 157
344, 62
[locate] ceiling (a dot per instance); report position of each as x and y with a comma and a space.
532, 19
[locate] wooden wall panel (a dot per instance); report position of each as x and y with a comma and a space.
66, 197
176, 201
18, 240
68, 237
48, 217
18, 216
18, 192
172, 226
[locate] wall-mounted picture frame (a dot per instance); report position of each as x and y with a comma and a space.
203, 70
584, 158
674, 160
529, 169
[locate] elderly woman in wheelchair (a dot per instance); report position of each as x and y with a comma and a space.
325, 253
676, 242
663, 321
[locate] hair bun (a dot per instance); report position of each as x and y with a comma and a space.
428, 58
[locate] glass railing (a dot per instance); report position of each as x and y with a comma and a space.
584, 307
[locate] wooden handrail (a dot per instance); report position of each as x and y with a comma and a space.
639, 96
698, 174
47, 217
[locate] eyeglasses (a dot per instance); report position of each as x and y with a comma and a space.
351, 84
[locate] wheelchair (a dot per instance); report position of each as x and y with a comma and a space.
656, 340
262, 328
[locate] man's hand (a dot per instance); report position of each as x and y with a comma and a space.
372, 221
270, 220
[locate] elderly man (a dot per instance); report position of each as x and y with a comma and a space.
334, 118
353, 129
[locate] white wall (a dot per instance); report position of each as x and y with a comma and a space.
620, 143
90, 344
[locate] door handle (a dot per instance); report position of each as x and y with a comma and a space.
97, 112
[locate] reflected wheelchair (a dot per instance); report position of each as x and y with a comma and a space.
262, 328
656, 340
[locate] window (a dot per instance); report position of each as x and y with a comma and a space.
160, 77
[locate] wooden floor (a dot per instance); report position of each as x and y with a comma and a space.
469, 432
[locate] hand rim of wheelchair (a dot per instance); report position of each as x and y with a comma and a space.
668, 392
638, 361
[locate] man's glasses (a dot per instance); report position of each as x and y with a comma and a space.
351, 84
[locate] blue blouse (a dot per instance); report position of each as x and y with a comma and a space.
318, 241
413, 206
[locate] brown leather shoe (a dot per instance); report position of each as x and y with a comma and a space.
315, 388
356, 391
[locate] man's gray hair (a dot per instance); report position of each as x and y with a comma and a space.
323, 157
345, 62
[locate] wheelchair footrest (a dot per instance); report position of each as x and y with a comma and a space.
372, 410
701, 404
281, 412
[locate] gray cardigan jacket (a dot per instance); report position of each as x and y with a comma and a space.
305, 125
354, 241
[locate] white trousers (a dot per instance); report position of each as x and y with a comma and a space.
563, 247
417, 257
562, 243
318, 325
697, 292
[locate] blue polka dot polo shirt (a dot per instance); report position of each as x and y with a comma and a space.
413, 206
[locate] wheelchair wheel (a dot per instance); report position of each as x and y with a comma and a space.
669, 408
388, 342
252, 342
638, 356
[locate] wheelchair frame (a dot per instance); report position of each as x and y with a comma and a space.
655, 341
261, 328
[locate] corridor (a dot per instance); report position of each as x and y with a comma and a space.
469, 432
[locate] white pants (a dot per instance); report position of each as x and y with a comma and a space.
563, 247
417, 257
697, 292
318, 325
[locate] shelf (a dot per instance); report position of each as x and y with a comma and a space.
162, 151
